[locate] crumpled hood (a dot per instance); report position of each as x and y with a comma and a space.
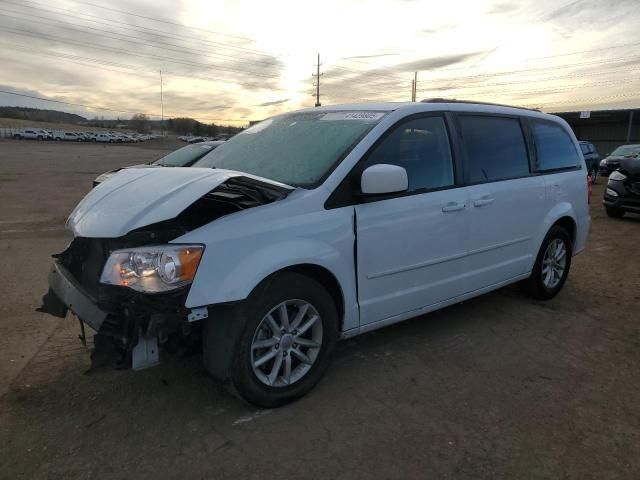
135, 197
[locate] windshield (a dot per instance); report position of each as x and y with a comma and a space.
297, 149
626, 150
185, 156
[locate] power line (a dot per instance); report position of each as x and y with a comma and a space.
498, 74
134, 70
558, 77
22, 32
256, 52
179, 49
138, 28
545, 69
558, 89
159, 20
589, 100
527, 70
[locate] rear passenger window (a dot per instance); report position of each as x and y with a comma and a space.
421, 147
554, 147
495, 148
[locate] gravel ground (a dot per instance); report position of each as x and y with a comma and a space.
497, 387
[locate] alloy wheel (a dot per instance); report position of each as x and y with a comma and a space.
554, 263
286, 343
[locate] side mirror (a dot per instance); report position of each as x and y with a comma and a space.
383, 179
606, 154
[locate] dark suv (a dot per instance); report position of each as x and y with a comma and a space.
612, 161
623, 190
591, 158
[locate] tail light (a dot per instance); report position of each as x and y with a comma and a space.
589, 189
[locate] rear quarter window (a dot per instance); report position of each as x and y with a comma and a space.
554, 148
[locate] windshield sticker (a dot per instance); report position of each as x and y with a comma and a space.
352, 116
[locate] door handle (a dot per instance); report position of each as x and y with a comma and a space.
481, 202
453, 207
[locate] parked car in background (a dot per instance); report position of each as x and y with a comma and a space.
320, 224
183, 157
66, 136
612, 160
591, 158
31, 134
102, 138
623, 189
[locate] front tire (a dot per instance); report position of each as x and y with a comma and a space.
285, 346
552, 265
614, 212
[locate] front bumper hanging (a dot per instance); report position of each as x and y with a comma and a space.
128, 324
65, 293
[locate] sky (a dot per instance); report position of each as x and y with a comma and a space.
230, 62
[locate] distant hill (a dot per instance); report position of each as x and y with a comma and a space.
38, 115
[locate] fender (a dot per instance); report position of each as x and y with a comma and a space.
227, 273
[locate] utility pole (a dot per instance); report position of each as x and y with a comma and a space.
414, 87
161, 107
317, 84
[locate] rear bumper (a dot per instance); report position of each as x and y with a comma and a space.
65, 293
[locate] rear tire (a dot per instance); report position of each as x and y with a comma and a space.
614, 212
550, 270
287, 375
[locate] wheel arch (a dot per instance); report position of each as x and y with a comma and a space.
562, 215
569, 224
324, 277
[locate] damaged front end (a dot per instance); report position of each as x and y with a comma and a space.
135, 301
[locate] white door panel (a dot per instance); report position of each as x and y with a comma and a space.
504, 219
411, 252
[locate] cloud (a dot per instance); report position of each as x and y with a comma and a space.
113, 59
378, 55
274, 102
502, 8
363, 85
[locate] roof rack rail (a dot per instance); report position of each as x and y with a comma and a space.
455, 100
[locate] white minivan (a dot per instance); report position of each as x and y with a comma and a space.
318, 225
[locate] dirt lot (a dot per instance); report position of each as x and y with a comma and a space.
497, 387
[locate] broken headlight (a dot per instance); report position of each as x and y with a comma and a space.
152, 269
